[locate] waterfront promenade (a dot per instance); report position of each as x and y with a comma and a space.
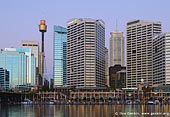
86, 97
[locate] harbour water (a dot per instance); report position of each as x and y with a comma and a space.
84, 110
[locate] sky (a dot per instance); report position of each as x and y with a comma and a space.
19, 19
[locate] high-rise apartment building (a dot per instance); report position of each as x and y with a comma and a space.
59, 56
139, 51
85, 53
117, 48
161, 59
21, 65
34, 46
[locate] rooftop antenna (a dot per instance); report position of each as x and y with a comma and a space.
116, 26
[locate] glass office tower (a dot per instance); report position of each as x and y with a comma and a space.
15, 63
21, 65
59, 59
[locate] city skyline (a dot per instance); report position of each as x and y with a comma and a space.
85, 58
22, 18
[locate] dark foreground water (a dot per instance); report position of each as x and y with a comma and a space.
84, 110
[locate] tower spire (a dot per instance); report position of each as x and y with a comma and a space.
116, 26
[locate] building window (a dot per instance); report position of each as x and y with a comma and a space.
133, 51
156, 49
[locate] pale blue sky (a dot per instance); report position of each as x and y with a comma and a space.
19, 19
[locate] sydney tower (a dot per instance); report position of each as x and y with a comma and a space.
42, 29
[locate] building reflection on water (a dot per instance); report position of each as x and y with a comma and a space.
83, 110
90, 111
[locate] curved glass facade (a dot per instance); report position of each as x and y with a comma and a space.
21, 65
59, 59
15, 63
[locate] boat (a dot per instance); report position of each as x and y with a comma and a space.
150, 102
26, 101
51, 102
137, 101
129, 102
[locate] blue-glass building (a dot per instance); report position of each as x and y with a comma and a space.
59, 59
21, 65
4, 79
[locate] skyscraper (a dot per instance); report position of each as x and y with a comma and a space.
106, 67
21, 65
161, 59
85, 53
139, 51
59, 56
117, 48
34, 46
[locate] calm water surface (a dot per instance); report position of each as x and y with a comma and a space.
84, 110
